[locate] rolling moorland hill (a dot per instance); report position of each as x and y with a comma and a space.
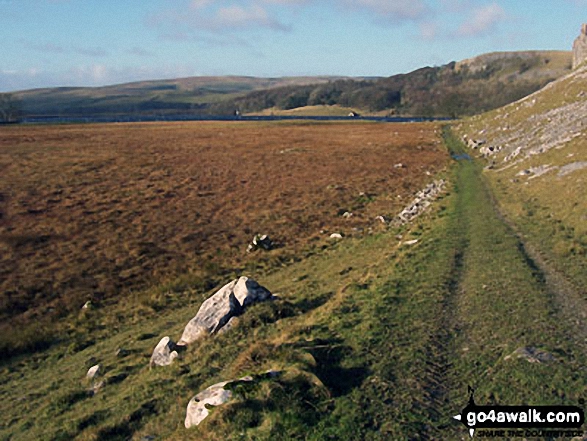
456, 89
184, 95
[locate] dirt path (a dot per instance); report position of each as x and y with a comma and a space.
505, 297
570, 300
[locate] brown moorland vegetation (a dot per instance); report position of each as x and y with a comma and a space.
95, 212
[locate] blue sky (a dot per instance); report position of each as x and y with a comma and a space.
98, 42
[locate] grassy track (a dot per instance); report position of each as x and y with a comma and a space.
378, 341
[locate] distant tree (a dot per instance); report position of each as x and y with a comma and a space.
10, 109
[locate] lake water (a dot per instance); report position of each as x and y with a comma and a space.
150, 118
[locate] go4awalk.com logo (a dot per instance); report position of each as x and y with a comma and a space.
523, 421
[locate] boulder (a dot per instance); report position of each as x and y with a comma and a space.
197, 411
262, 242
164, 353
216, 311
93, 372
216, 395
532, 355
247, 291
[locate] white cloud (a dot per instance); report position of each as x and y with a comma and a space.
219, 16
58, 49
482, 21
140, 52
428, 30
88, 75
393, 10
237, 17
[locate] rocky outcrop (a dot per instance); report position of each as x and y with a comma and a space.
421, 202
541, 131
164, 353
216, 311
580, 48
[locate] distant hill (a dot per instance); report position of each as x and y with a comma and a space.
185, 95
456, 89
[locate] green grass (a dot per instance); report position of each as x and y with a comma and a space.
376, 341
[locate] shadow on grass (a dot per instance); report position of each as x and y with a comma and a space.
330, 356
125, 429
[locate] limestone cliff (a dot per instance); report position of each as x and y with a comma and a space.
580, 47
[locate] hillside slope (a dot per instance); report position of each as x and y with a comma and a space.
537, 153
465, 88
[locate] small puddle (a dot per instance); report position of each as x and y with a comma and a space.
462, 157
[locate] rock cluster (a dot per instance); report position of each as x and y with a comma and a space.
213, 316
539, 133
580, 47
422, 201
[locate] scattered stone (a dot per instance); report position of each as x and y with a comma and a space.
93, 372
97, 387
336, 236
382, 219
87, 305
532, 355
421, 202
260, 242
347, 215
164, 353
411, 242
399, 165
